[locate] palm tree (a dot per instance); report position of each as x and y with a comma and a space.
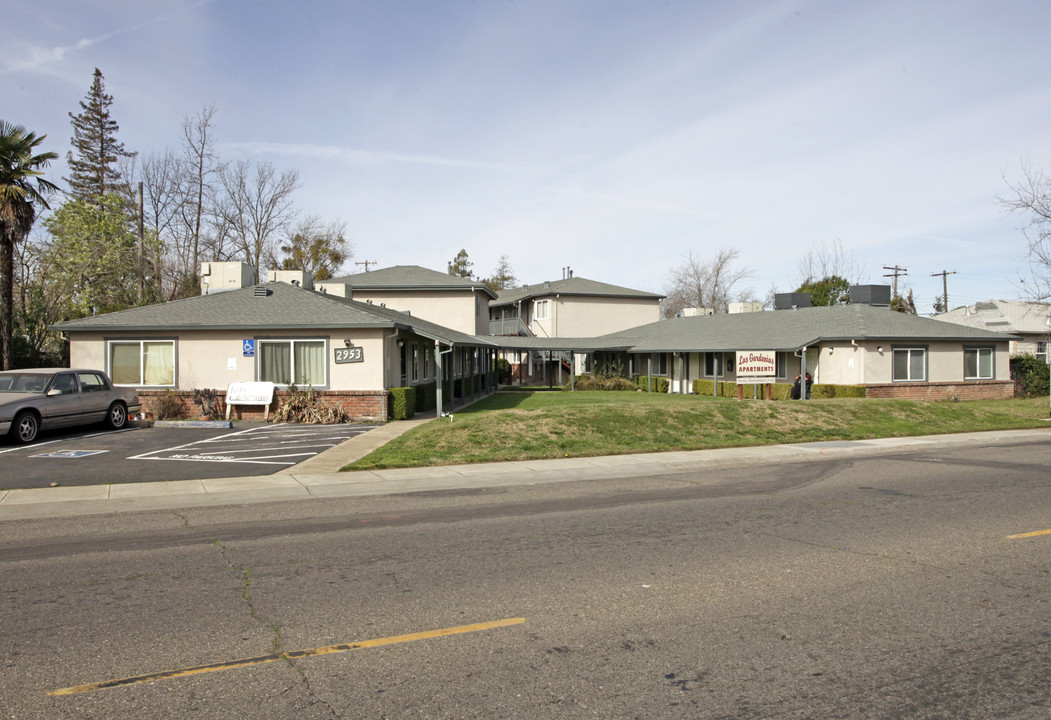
22, 191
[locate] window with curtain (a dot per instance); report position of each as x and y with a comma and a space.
287, 362
147, 363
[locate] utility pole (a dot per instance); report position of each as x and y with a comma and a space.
945, 287
897, 271
366, 263
142, 237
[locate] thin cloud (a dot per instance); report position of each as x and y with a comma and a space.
372, 157
41, 57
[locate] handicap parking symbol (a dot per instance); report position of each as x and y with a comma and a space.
249, 348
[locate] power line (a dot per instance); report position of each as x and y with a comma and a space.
945, 287
897, 271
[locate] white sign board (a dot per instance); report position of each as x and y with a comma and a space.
249, 393
756, 365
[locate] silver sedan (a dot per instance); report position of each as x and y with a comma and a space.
40, 399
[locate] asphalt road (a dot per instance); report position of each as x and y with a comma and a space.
93, 456
886, 587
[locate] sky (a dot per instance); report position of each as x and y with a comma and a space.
614, 137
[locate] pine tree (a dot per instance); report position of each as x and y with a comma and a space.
461, 265
93, 170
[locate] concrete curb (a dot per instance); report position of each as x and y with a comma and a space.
313, 480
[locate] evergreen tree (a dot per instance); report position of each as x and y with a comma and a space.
461, 265
93, 170
503, 276
830, 290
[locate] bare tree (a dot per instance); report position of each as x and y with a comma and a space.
162, 207
826, 260
706, 284
201, 167
258, 207
1032, 197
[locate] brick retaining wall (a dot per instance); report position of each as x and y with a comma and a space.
975, 390
361, 405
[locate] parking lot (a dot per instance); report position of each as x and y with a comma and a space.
91, 456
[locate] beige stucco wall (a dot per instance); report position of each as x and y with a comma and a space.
583, 316
204, 358
466, 311
842, 363
865, 364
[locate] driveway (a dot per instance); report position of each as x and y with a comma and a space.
93, 456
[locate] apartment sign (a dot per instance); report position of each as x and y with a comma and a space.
756, 364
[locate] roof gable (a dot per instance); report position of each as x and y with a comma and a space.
570, 286
795, 329
409, 277
273, 306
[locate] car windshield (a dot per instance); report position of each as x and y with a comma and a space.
24, 382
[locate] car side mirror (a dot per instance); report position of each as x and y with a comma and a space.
53, 391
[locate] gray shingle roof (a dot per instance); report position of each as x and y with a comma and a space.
569, 286
273, 306
795, 329
409, 277
512, 342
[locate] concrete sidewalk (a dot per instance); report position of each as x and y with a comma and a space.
319, 477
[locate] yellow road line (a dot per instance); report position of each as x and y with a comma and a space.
327, 650
1027, 535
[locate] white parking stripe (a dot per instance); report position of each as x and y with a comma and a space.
145, 456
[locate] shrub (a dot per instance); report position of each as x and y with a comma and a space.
308, 406
660, 384
503, 371
426, 396
1030, 374
592, 382
611, 369
209, 401
168, 407
705, 387
402, 403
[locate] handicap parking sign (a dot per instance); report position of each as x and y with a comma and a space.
249, 348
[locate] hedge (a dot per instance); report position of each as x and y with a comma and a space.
660, 384
780, 391
426, 396
705, 387
402, 403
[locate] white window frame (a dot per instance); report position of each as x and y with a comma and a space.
909, 349
142, 365
541, 310
259, 342
1041, 350
980, 350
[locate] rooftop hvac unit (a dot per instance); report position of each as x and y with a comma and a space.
222, 276
878, 295
788, 301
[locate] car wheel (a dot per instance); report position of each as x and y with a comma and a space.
117, 417
25, 427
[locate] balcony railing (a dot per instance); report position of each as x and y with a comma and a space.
509, 326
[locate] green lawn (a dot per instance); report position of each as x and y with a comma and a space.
537, 425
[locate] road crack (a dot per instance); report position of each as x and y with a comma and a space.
245, 573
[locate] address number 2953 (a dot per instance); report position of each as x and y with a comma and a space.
350, 355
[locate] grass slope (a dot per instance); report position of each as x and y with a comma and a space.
539, 425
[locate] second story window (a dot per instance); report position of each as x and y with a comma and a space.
540, 309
